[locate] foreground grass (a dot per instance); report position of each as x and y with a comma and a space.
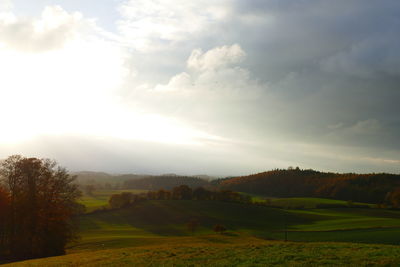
222, 250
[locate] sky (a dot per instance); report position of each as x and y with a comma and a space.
224, 88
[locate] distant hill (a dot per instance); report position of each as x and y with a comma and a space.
370, 188
89, 177
164, 182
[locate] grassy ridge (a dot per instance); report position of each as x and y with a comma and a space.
221, 250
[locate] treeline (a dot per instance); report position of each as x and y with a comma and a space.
294, 182
164, 182
182, 192
89, 182
104, 180
37, 205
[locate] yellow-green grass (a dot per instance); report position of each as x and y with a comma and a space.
348, 218
224, 250
99, 198
306, 202
302, 202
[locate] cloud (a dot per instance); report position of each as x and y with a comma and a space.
213, 89
276, 83
365, 133
368, 58
52, 31
218, 57
149, 25
6, 5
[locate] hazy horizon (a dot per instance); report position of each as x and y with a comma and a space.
217, 88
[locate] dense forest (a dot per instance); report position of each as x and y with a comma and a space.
294, 182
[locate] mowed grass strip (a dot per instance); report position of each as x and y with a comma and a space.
308, 202
347, 218
220, 250
302, 202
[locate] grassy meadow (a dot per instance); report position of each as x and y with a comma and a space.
155, 232
225, 250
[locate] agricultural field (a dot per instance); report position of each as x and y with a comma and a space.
155, 231
155, 218
169, 218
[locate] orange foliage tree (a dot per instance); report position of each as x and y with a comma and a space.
41, 202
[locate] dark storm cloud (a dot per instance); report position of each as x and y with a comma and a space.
329, 72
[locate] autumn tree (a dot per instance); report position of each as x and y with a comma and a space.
182, 192
201, 194
122, 200
394, 197
42, 202
4, 213
219, 228
163, 194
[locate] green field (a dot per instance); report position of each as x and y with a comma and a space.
153, 218
154, 232
301, 202
99, 199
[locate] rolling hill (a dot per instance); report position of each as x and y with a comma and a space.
369, 188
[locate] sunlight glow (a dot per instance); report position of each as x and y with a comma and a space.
74, 90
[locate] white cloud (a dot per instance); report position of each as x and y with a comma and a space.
52, 30
214, 94
153, 24
219, 57
5, 5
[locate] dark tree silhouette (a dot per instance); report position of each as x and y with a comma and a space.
182, 192
4, 213
122, 200
219, 228
42, 202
